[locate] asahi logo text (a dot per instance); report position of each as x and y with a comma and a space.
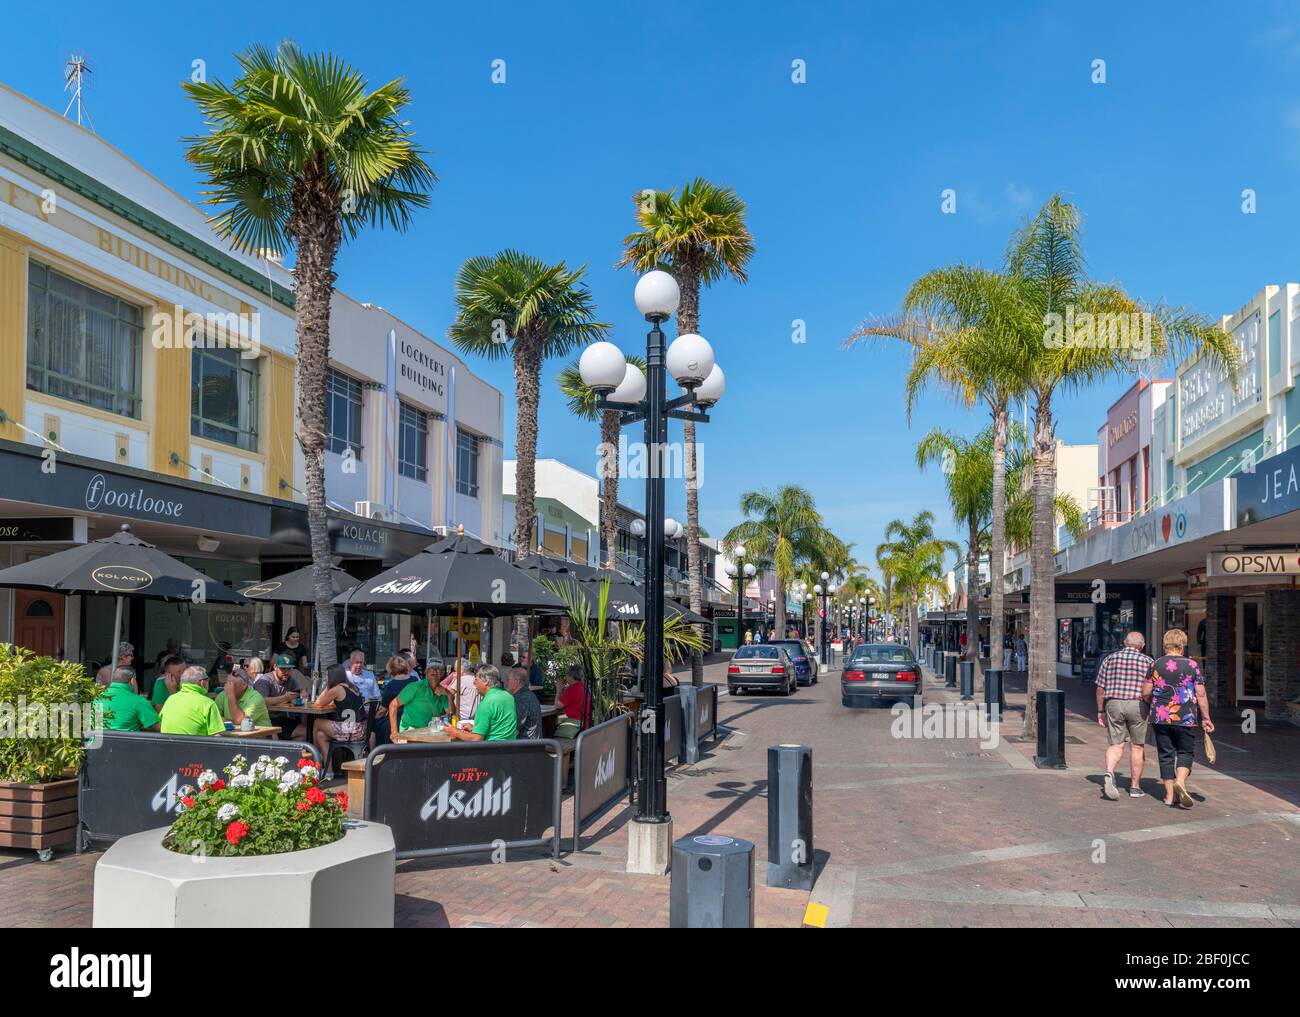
1131, 332
488, 800
405, 585
216, 330
604, 769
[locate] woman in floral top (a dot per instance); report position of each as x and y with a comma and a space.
1175, 689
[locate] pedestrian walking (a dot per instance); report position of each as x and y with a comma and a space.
1175, 688
1022, 653
1006, 652
1121, 710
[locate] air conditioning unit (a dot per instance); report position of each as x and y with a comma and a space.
374, 510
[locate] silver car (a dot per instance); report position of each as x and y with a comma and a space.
763, 666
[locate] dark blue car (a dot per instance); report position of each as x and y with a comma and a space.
805, 668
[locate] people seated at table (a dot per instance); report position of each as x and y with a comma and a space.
418, 703
399, 676
347, 722
189, 711
239, 699
528, 707
574, 700
496, 719
168, 680
277, 689
124, 708
362, 677
413, 662
463, 691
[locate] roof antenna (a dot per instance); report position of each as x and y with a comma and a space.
74, 81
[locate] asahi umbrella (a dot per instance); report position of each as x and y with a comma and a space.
121, 565
458, 571
298, 587
626, 602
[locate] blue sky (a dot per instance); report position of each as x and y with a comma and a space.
842, 174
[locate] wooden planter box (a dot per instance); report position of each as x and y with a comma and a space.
39, 817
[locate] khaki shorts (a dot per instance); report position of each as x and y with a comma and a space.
1126, 721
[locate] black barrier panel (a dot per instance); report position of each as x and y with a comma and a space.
672, 730
448, 798
128, 782
602, 765
706, 713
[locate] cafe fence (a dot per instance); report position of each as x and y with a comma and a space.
445, 798
602, 769
673, 726
129, 779
706, 713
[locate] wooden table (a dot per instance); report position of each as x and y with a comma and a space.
307, 712
421, 734
257, 732
356, 771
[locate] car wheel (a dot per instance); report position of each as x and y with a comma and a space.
792, 688
844, 700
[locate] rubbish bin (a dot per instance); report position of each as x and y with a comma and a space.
712, 883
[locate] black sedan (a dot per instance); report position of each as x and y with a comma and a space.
805, 668
879, 672
762, 667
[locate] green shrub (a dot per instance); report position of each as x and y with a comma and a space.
271, 807
47, 711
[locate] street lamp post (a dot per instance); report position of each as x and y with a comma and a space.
621, 386
741, 571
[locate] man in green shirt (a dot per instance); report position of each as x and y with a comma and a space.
189, 711
168, 681
495, 720
248, 702
418, 703
124, 709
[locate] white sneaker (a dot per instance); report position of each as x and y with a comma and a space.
1108, 788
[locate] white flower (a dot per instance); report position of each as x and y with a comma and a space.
272, 773
291, 779
263, 759
242, 780
309, 773
227, 812
206, 779
281, 761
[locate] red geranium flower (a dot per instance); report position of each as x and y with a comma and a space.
316, 796
342, 799
188, 802
236, 831
304, 806
305, 762
216, 785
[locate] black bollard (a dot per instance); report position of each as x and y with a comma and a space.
994, 701
950, 670
967, 680
1051, 730
789, 817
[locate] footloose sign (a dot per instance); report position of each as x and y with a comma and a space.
456, 797
129, 782
603, 770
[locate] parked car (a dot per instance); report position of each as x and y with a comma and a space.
878, 672
762, 667
804, 665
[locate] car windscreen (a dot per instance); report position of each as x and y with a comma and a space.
795, 649
759, 652
882, 655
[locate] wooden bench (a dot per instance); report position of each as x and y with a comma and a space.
356, 771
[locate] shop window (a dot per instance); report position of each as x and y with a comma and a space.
343, 407
223, 397
466, 463
82, 344
412, 443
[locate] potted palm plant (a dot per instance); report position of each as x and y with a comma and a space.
47, 711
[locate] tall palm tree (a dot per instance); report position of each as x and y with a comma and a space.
783, 528
698, 233
300, 153
912, 555
951, 303
583, 404
512, 304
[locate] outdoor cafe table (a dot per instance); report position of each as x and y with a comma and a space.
421, 734
307, 712
257, 732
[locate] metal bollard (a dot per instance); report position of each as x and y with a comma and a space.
789, 817
1051, 730
967, 680
712, 883
950, 670
690, 715
995, 702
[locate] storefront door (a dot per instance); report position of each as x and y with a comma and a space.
38, 621
1250, 648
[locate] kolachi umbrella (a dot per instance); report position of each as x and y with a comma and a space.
121, 565
456, 570
298, 587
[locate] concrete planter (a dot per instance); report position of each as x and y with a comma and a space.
347, 884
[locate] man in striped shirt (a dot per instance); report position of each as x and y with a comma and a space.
1121, 711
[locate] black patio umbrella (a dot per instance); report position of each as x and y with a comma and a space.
626, 601
539, 565
298, 587
121, 565
455, 571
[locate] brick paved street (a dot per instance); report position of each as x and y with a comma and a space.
907, 832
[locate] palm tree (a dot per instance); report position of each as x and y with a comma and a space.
583, 404
300, 153
912, 556
512, 304
950, 303
782, 528
697, 233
